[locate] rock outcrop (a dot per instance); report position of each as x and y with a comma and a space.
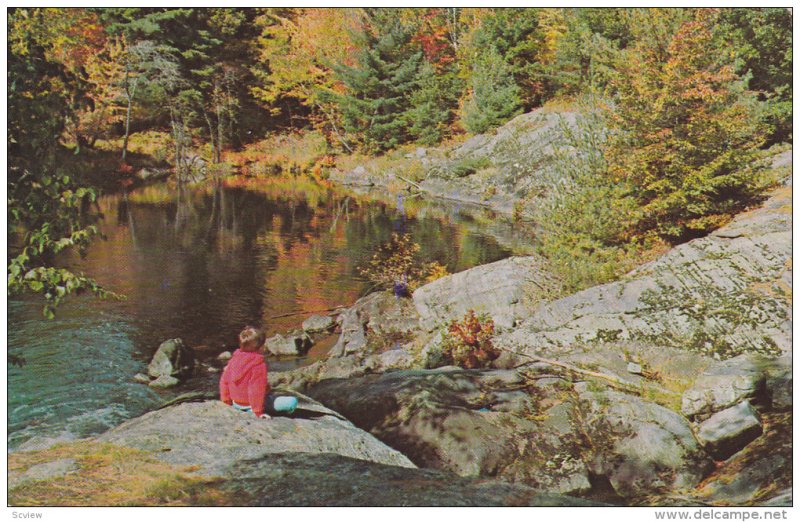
505, 290
215, 437
724, 384
379, 314
533, 428
301, 479
760, 474
314, 459
722, 295
728, 431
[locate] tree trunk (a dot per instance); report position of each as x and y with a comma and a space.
129, 94
211, 135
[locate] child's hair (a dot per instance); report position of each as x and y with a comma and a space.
251, 339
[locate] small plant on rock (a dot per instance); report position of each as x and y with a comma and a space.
396, 265
468, 342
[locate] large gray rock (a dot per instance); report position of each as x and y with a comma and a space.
639, 446
298, 479
762, 473
378, 314
722, 295
473, 423
504, 290
216, 437
172, 359
294, 343
730, 430
314, 459
779, 382
318, 324
724, 384
499, 423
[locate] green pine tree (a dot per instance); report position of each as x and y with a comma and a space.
494, 96
433, 105
376, 107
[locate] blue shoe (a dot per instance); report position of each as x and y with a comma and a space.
285, 404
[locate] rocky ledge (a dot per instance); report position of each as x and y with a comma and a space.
655, 389
315, 458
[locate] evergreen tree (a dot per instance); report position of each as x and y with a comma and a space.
762, 42
433, 105
376, 107
494, 96
685, 133
516, 36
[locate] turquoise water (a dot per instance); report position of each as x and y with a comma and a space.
200, 265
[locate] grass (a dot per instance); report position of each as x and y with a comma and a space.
109, 475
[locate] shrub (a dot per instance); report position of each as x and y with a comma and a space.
396, 265
468, 342
582, 210
468, 166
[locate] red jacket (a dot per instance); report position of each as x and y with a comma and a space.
244, 381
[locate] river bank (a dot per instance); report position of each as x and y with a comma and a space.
574, 406
671, 386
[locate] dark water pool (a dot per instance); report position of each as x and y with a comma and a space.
200, 264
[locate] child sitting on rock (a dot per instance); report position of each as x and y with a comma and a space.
244, 381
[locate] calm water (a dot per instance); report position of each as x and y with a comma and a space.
200, 264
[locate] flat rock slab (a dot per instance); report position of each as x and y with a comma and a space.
721, 295
332, 480
730, 430
724, 384
504, 290
216, 437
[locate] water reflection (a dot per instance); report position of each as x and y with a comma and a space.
201, 263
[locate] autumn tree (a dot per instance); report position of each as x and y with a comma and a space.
48, 210
297, 49
685, 131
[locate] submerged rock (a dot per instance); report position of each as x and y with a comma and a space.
172, 359
165, 381
141, 378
